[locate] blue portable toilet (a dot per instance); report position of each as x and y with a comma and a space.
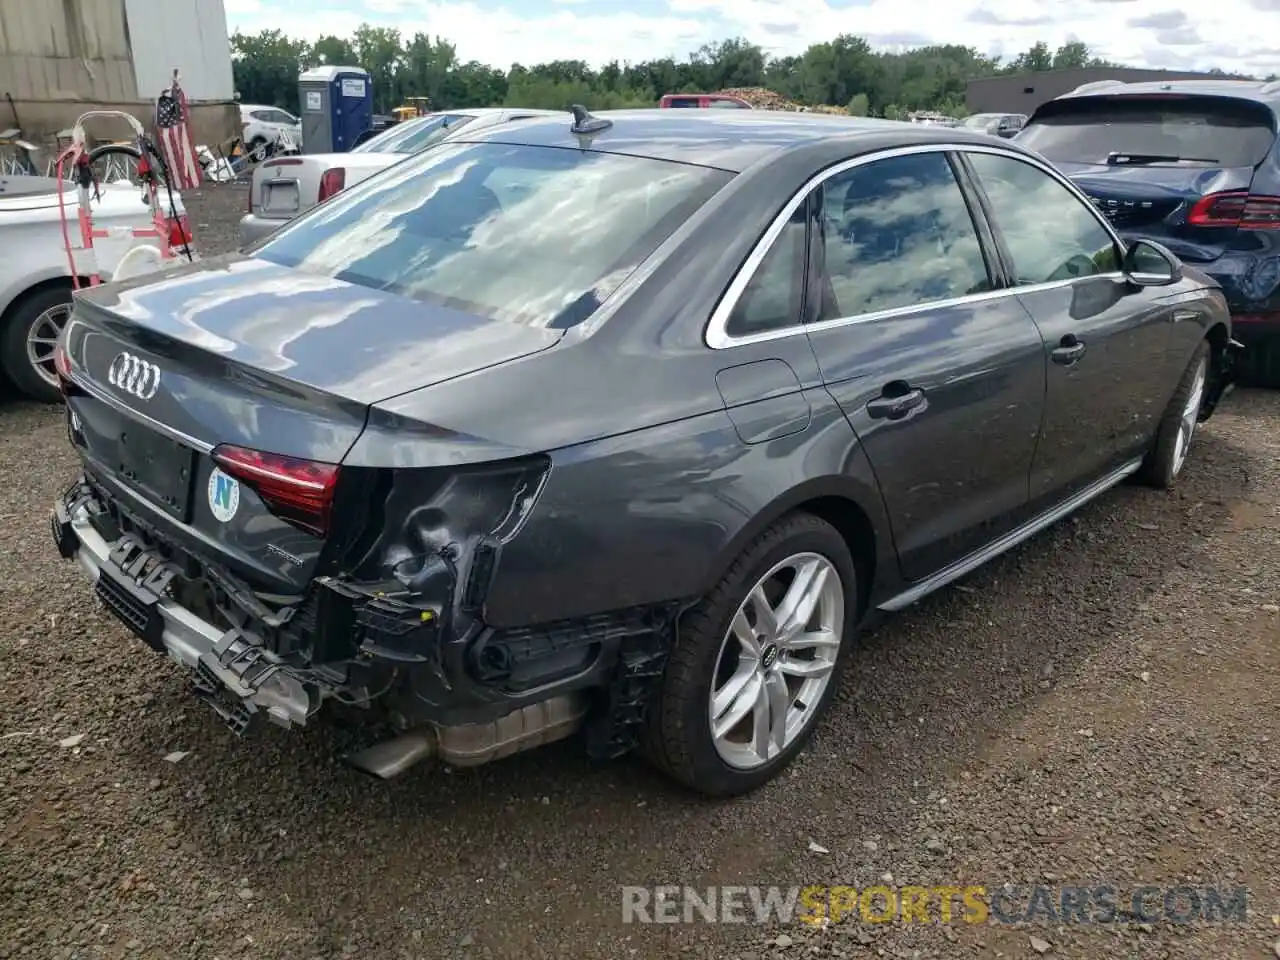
337, 107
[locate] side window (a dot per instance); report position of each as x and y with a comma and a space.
772, 299
1050, 233
897, 232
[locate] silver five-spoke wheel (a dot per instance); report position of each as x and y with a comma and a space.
42, 337
776, 660
1190, 416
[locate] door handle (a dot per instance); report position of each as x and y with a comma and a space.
1184, 316
895, 407
1068, 351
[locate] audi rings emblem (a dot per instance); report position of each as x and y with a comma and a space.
134, 376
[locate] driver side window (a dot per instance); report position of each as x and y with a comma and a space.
1049, 232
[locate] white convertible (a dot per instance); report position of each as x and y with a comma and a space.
285, 187
35, 277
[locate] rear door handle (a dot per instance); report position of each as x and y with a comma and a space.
1069, 351
1184, 316
894, 408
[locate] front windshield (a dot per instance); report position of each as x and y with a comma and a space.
534, 235
980, 121
414, 135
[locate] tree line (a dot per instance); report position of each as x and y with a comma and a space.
844, 72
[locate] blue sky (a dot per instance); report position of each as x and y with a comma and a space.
1236, 35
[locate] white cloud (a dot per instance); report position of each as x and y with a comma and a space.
1154, 33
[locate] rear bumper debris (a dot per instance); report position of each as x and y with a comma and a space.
1222, 379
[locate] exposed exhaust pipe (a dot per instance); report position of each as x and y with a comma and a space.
473, 744
390, 758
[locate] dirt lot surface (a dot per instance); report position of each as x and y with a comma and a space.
1097, 708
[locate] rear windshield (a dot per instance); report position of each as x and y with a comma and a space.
413, 135
535, 235
1203, 131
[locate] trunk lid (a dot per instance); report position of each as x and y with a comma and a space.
1157, 201
180, 381
1148, 161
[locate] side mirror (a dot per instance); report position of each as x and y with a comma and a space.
1150, 264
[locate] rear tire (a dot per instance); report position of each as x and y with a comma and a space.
785, 691
37, 315
1177, 429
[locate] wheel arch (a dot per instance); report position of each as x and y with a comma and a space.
52, 281
853, 509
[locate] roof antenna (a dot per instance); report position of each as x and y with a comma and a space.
585, 123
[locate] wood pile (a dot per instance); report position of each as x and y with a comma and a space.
760, 98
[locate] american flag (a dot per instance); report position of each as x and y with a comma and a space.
173, 137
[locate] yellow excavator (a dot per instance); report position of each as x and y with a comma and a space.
412, 107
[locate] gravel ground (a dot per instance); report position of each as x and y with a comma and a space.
1097, 707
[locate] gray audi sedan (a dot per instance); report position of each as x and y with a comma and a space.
616, 426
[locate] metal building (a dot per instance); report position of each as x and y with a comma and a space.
61, 58
1023, 92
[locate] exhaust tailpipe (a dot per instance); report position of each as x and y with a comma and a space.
390, 758
473, 744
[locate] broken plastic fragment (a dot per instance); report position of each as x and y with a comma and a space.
72, 741
817, 847
176, 756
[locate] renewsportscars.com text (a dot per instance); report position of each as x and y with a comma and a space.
815, 904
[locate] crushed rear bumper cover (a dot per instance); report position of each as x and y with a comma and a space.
473, 686
236, 676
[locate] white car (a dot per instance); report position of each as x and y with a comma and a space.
35, 278
284, 187
264, 125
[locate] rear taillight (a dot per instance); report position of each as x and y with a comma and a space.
1236, 208
334, 179
179, 231
297, 491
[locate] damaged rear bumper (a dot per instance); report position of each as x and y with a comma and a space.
238, 678
463, 695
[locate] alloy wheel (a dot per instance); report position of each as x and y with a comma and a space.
1190, 417
42, 337
776, 660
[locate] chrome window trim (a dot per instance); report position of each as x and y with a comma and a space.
718, 338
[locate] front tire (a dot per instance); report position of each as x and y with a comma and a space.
1178, 425
26, 343
756, 662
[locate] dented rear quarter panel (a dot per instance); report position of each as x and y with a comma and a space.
660, 474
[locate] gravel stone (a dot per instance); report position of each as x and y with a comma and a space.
1177, 785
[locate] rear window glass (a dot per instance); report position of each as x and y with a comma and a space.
413, 135
1203, 131
535, 235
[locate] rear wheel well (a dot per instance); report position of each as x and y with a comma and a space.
852, 524
53, 283
1217, 337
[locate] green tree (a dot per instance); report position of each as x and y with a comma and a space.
334, 51
265, 67
844, 72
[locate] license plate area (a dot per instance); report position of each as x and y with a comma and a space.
158, 468
281, 196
